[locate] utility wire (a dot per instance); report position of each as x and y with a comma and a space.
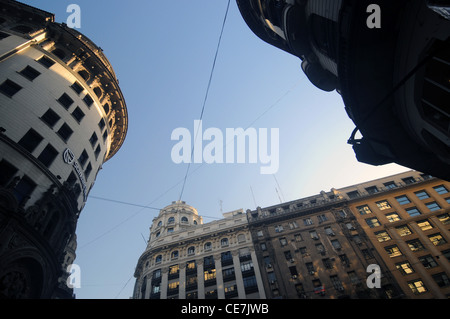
206, 97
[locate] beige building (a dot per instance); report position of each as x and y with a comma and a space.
188, 259
62, 117
407, 218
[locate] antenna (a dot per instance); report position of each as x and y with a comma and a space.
276, 189
144, 239
253, 195
220, 204
276, 181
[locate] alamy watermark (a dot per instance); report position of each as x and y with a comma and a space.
374, 279
74, 19
221, 147
74, 279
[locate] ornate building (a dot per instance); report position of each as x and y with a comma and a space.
187, 259
389, 60
62, 116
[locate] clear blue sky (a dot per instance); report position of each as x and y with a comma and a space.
162, 53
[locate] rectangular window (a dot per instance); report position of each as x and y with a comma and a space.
353, 194
337, 284
417, 287
393, 251
65, 132
422, 195
364, 210
441, 279
384, 204
403, 230
88, 170
424, 224
313, 234
88, 100
322, 218
444, 218
402, 200
308, 221
83, 158
373, 222
50, 118
437, 239
45, 61
65, 100
77, 87
336, 244
283, 241
433, 206
382, 236
48, 155
393, 217
78, 114
428, 261
440, 189
30, 73
93, 140
372, 189
415, 245
30, 140
390, 185
413, 211
9, 88
24, 188
404, 267
409, 180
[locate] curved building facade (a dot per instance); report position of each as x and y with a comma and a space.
62, 116
186, 259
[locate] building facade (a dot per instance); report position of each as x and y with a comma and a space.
62, 117
187, 259
313, 248
390, 62
407, 219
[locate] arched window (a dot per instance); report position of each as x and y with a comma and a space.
59, 53
158, 259
159, 224
171, 220
157, 234
208, 246
174, 254
184, 220
195, 222
224, 242
241, 238
191, 250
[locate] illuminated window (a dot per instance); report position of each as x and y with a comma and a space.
444, 218
384, 204
393, 217
382, 236
393, 251
415, 245
424, 224
373, 222
417, 287
405, 267
364, 210
403, 230
437, 239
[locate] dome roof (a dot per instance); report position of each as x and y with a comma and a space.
178, 206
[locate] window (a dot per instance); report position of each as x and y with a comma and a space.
336, 244
404, 267
101, 124
170, 230
263, 246
428, 261
384, 204
298, 237
30, 73
373, 222
9, 88
283, 241
310, 268
97, 151
320, 248
208, 246
422, 195
65, 100
293, 225
313, 234
364, 210
191, 250
88, 100
382, 236
45, 61
440, 189
393, 251
247, 266
433, 206
403, 230
30, 140
402, 200
83, 158
77, 87
24, 189
441, 279
437, 239
415, 245
393, 217
444, 218
171, 220
308, 221
48, 155
413, 211
93, 140
224, 242
424, 224
288, 255
390, 185
322, 218
173, 270
278, 229
50, 118
329, 231
372, 189
353, 277
78, 114
417, 287
210, 275
337, 284
174, 254
353, 194
65, 132
327, 263
409, 180
226, 257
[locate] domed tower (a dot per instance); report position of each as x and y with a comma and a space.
178, 216
62, 116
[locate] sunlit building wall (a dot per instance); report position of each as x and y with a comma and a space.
62, 117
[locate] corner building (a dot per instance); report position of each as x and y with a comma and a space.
186, 259
62, 116
407, 218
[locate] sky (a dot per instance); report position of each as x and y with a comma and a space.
162, 53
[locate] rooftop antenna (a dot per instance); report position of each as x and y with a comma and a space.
144, 239
220, 204
276, 181
253, 195
276, 189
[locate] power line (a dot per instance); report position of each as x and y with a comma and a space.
206, 97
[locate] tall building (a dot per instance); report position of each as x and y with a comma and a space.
188, 259
62, 117
407, 219
313, 248
389, 60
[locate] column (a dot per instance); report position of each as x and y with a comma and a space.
219, 276
164, 282
182, 281
149, 287
262, 293
238, 274
200, 279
